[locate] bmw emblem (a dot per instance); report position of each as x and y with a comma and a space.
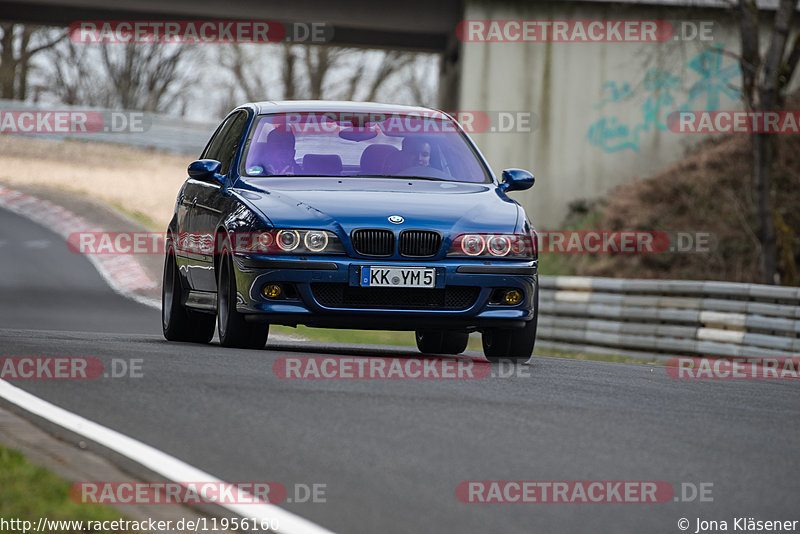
396, 219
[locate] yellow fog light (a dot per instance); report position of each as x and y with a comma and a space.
512, 296
272, 291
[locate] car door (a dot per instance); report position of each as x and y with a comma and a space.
207, 201
185, 239
190, 256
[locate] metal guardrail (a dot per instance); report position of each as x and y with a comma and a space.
162, 132
660, 319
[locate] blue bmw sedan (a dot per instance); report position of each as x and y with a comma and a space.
350, 215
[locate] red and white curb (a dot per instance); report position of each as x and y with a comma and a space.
121, 272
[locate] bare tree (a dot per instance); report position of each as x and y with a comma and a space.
319, 62
19, 43
73, 77
315, 72
287, 72
147, 76
421, 81
253, 82
765, 79
364, 74
393, 61
152, 77
259, 75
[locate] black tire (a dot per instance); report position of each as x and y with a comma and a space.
441, 341
233, 330
512, 343
178, 323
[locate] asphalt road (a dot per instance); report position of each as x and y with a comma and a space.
391, 452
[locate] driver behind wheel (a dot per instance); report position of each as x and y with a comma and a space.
416, 152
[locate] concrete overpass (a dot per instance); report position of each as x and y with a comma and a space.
411, 24
598, 109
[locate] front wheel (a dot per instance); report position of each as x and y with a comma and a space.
441, 341
509, 343
233, 330
178, 323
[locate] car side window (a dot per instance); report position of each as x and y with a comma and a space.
212, 149
230, 144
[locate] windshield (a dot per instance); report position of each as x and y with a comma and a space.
352, 144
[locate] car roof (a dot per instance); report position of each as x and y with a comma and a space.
288, 106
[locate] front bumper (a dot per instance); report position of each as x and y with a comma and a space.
464, 287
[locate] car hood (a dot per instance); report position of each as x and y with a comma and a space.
349, 203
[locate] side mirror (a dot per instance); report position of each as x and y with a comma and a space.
206, 170
516, 180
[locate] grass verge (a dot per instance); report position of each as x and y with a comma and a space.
142, 218
29, 492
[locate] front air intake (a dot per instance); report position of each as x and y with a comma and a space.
373, 242
420, 243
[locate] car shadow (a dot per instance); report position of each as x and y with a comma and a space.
378, 351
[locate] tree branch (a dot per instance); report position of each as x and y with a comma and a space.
750, 61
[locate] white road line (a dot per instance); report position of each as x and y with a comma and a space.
37, 243
155, 460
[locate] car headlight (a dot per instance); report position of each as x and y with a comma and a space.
517, 246
498, 245
289, 240
316, 241
472, 244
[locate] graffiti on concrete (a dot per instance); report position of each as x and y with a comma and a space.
661, 92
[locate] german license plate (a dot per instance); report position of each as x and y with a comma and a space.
376, 276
